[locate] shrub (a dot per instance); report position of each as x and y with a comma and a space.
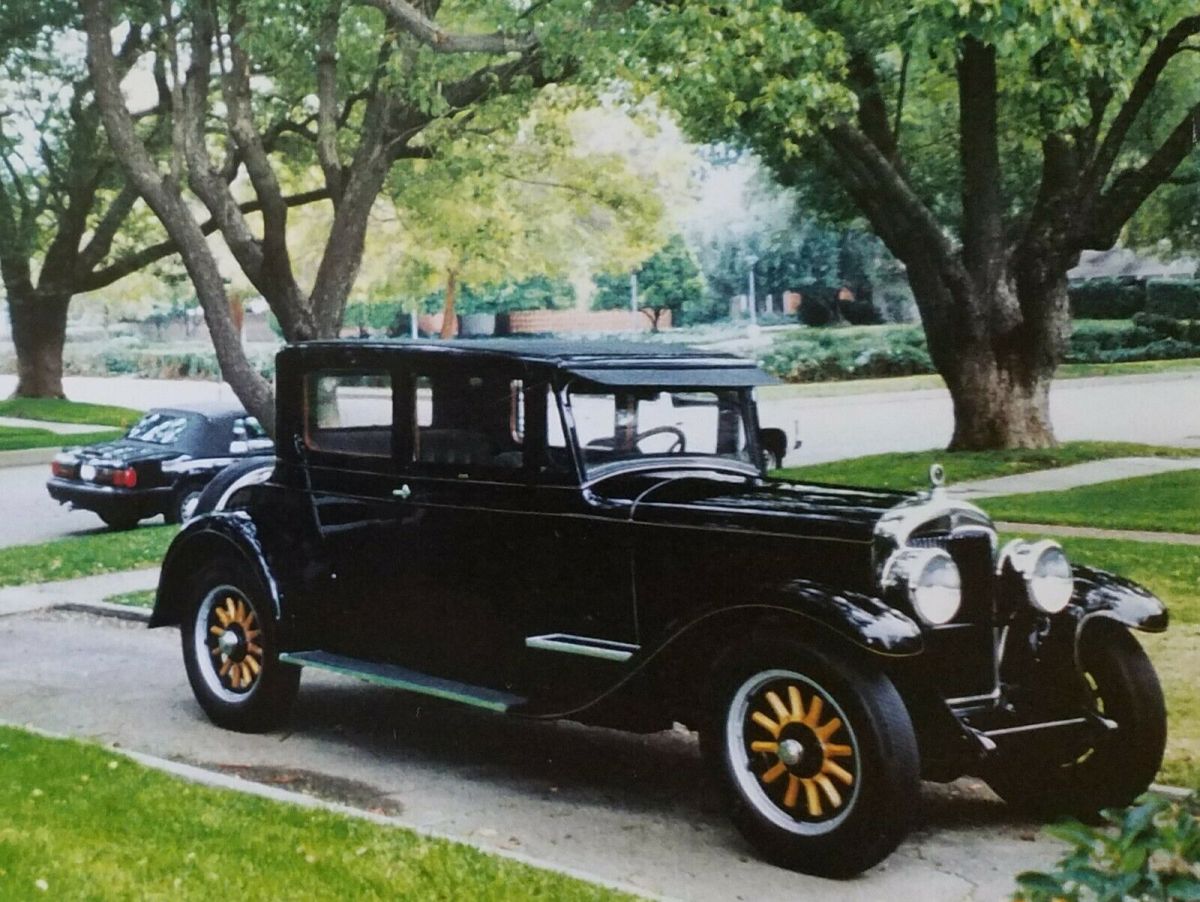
1107, 298
1177, 299
1150, 851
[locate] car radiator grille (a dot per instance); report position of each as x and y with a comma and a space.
962, 654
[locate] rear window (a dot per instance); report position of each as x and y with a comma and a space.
349, 413
158, 428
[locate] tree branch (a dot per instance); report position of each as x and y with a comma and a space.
979, 158
1101, 165
136, 260
407, 18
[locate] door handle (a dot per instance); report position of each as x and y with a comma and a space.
403, 493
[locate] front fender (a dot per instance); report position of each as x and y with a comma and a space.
863, 619
1106, 595
205, 539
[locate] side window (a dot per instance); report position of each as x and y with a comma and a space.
349, 413
469, 422
248, 435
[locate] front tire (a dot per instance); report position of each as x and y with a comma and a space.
1120, 765
184, 502
231, 653
816, 755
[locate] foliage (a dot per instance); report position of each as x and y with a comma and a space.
1107, 298
56, 410
909, 471
1147, 337
104, 552
668, 280
1166, 502
81, 822
1176, 298
1147, 852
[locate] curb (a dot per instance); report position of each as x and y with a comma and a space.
204, 777
28, 457
105, 609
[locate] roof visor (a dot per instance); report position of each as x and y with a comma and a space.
706, 374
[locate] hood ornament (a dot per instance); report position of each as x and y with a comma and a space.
937, 478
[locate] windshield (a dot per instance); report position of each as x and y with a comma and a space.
159, 428
615, 425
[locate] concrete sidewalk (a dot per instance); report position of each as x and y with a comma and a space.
50, 426
1056, 480
87, 592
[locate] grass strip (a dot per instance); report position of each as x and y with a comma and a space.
78, 822
142, 598
59, 410
22, 438
910, 470
88, 555
1164, 502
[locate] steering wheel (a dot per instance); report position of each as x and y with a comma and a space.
677, 447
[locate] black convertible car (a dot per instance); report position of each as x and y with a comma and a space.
586, 531
161, 465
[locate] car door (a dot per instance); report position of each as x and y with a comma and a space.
351, 473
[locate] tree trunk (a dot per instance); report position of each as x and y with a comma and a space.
449, 317
999, 363
39, 329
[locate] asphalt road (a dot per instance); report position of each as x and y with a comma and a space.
635, 809
1160, 409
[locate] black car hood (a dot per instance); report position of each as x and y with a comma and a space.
731, 501
124, 451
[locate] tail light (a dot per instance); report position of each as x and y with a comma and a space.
60, 469
126, 478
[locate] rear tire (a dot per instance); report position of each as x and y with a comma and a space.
184, 501
1121, 764
120, 522
231, 651
816, 755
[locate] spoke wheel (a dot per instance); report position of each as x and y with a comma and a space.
816, 754
231, 651
1120, 683
794, 750
227, 631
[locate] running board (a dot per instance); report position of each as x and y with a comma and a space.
403, 678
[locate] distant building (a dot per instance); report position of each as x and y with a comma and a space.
1122, 263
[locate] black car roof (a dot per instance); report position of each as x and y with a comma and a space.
608, 362
211, 410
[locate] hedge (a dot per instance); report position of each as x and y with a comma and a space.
1107, 298
1178, 299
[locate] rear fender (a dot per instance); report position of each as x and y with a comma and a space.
231, 533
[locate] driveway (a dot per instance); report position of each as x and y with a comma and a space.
629, 808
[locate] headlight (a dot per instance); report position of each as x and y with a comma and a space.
930, 577
1045, 570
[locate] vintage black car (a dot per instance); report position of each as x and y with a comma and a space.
161, 465
586, 531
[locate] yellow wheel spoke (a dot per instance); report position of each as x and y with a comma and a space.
253, 649
766, 723
775, 773
827, 730
215, 652
216, 630
762, 746
222, 615
797, 703
252, 666
252, 634
833, 750
225, 667
814, 712
814, 800
835, 797
837, 772
777, 705
793, 791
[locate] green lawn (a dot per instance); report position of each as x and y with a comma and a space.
105, 552
21, 438
81, 823
1167, 502
910, 470
57, 410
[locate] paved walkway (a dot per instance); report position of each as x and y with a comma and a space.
1071, 477
1087, 532
88, 590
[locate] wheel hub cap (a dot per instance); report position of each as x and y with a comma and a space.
790, 752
